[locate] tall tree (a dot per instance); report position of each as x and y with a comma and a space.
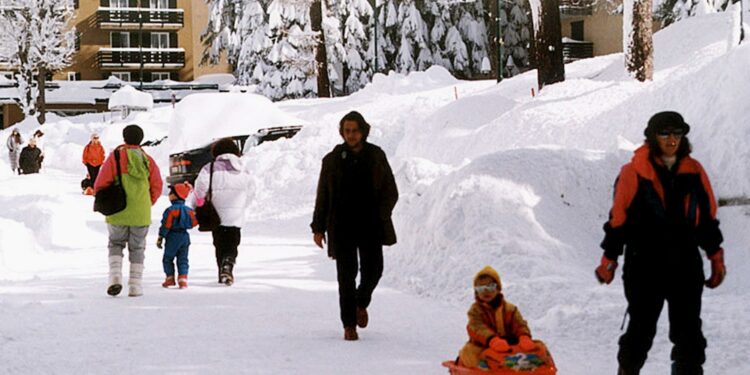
413, 50
638, 42
321, 57
291, 59
357, 64
41, 41
547, 42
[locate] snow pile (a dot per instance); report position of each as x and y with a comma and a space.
128, 97
226, 115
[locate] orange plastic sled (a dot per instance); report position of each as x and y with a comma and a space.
515, 362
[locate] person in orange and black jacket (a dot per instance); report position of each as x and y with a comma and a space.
93, 156
664, 210
356, 195
494, 323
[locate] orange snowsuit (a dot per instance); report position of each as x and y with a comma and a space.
93, 154
499, 318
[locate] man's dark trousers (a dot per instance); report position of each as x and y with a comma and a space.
371, 269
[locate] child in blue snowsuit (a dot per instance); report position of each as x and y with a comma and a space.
175, 222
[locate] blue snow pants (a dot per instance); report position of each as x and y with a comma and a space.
177, 244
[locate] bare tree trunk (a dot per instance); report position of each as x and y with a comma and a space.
41, 103
321, 57
548, 51
639, 46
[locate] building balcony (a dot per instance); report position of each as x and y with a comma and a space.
576, 49
131, 18
131, 58
573, 8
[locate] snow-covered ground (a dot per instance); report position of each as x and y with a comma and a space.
487, 173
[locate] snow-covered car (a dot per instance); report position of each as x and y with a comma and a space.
185, 166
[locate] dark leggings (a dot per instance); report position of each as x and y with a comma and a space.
226, 241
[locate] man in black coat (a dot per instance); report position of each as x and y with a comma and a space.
30, 160
355, 198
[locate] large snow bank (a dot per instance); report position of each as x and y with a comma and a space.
128, 97
201, 118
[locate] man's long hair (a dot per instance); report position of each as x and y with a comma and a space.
357, 117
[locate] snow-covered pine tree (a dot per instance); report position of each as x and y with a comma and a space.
413, 48
445, 41
291, 59
671, 11
516, 29
388, 36
252, 34
333, 32
42, 42
470, 20
221, 33
357, 17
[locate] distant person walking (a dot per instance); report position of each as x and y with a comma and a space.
176, 220
37, 138
142, 183
663, 210
30, 160
93, 156
231, 188
356, 195
14, 143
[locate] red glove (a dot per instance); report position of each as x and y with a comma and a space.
525, 343
718, 270
499, 345
605, 273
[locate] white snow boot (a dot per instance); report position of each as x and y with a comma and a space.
115, 275
135, 288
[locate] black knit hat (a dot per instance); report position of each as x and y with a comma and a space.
665, 120
132, 134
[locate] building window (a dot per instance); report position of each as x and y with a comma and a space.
74, 76
118, 3
159, 40
576, 30
119, 39
160, 76
159, 4
123, 76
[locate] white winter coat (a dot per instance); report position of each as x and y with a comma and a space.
231, 189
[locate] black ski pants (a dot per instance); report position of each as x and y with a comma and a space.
646, 290
370, 264
93, 172
226, 241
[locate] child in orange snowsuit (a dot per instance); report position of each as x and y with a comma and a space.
494, 323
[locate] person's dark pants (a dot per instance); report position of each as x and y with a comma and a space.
646, 292
226, 241
93, 172
177, 245
370, 264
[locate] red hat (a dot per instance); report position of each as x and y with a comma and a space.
181, 190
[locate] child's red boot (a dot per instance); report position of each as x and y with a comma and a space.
169, 281
182, 281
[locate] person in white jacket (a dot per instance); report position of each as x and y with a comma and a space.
231, 187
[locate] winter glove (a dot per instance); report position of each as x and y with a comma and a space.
525, 343
159, 241
605, 273
718, 270
499, 345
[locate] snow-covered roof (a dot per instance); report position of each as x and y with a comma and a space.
128, 97
201, 118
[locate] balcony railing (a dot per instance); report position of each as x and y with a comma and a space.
577, 7
575, 50
152, 58
132, 17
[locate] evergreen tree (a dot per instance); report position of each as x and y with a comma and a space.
252, 33
388, 36
291, 58
473, 29
413, 48
516, 27
357, 65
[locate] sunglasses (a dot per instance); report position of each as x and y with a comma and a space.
664, 134
491, 287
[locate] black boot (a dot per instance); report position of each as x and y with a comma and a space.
225, 274
681, 368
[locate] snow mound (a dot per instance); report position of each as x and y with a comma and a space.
128, 97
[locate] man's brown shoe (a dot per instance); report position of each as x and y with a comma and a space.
350, 334
362, 317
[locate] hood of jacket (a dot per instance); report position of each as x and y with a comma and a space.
490, 272
229, 161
